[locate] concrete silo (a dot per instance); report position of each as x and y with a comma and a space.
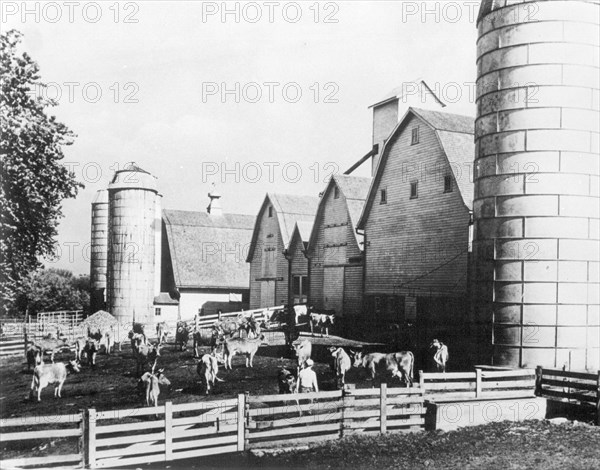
132, 238
99, 250
536, 206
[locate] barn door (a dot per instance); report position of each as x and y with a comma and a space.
267, 293
334, 289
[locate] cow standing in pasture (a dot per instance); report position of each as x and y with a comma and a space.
152, 382
440, 356
51, 346
207, 369
342, 364
205, 337
303, 352
321, 321
79, 345
182, 335
145, 353
34, 356
162, 331
47, 374
90, 350
374, 363
245, 347
379, 364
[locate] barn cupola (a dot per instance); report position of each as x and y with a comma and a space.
214, 206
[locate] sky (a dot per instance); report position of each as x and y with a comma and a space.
254, 97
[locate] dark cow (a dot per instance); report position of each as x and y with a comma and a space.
182, 335
90, 350
286, 381
34, 356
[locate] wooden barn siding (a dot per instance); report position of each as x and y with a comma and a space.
271, 266
336, 212
409, 237
299, 261
281, 287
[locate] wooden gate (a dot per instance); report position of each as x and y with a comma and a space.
333, 289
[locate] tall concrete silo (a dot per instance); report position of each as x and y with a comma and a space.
99, 250
536, 206
132, 244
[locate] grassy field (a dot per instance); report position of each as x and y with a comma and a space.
529, 445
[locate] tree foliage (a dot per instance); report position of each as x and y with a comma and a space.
33, 181
48, 290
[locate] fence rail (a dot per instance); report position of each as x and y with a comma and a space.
575, 387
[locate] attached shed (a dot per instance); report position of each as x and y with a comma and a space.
335, 249
273, 230
417, 223
298, 264
204, 262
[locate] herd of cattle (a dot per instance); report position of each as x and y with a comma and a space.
226, 338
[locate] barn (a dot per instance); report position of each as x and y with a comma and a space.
417, 224
298, 264
335, 249
273, 230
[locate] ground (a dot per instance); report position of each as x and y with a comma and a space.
112, 383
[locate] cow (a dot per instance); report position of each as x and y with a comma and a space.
374, 363
136, 339
250, 326
46, 374
440, 356
286, 381
51, 346
322, 321
246, 347
90, 350
205, 337
104, 339
79, 345
342, 363
152, 382
162, 331
208, 368
303, 352
401, 365
145, 353
182, 335
34, 357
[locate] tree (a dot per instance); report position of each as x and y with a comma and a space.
51, 289
33, 181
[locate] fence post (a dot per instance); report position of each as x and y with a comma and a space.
246, 420
538, 381
241, 422
421, 381
383, 408
81, 446
598, 399
477, 382
91, 438
168, 431
25, 340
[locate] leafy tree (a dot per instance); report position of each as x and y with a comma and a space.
33, 182
51, 289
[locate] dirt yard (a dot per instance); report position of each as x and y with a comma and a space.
112, 384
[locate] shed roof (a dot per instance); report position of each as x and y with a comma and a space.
355, 190
207, 250
406, 93
289, 210
455, 134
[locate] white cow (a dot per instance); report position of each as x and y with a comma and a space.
46, 374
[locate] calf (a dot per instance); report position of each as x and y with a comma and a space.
246, 347
79, 346
205, 337
342, 363
286, 381
46, 374
208, 368
182, 335
34, 357
162, 331
51, 346
303, 352
152, 384
441, 355
401, 365
144, 354
321, 321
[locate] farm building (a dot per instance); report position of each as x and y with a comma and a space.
335, 250
298, 264
416, 222
273, 230
165, 265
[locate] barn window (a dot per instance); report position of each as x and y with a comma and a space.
157, 312
447, 184
414, 190
270, 212
415, 136
383, 196
336, 192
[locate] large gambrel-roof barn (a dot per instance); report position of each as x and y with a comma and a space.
273, 229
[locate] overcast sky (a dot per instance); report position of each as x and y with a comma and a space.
272, 96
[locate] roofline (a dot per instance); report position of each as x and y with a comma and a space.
384, 153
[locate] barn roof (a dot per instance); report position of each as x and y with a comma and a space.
407, 94
455, 134
289, 210
207, 250
301, 233
355, 190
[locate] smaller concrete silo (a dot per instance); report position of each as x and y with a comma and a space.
99, 250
